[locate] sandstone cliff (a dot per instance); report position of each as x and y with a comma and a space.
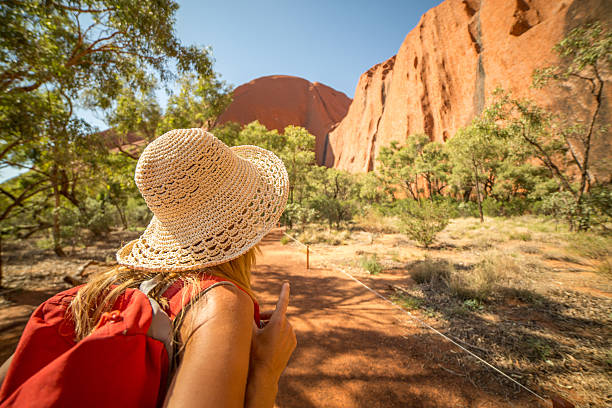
448, 66
278, 101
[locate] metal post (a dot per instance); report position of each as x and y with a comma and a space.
307, 257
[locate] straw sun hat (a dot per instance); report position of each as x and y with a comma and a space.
210, 203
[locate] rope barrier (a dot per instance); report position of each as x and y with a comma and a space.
424, 324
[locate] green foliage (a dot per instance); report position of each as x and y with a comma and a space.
473, 304
418, 158
228, 133
424, 220
370, 264
370, 189
103, 54
134, 111
296, 214
299, 157
333, 195
200, 100
257, 134
408, 302
585, 47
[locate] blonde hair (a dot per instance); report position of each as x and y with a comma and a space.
102, 291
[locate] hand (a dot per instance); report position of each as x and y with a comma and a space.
273, 344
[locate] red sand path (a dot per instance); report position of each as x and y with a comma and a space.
355, 350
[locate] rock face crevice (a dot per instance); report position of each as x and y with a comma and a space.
279, 101
448, 66
475, 29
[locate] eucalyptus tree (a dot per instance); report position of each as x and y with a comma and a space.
58, 55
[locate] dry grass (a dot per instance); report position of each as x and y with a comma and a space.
605, 268
562, 256
319, 235
431, 271
524, 287
372, 222
590, 245
484, 280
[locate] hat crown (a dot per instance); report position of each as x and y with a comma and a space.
180, 169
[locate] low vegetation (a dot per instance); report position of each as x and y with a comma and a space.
536, 307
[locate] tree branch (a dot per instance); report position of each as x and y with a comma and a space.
10, 163
81, 10
10, 146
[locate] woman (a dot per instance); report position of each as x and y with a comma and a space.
212, 205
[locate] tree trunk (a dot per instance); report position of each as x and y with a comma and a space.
0, 259
478, 196
122, 216
57, 246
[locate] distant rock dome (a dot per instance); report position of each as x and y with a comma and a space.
278, 101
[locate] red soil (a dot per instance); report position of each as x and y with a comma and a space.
355, 350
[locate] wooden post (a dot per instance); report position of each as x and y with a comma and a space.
307, 257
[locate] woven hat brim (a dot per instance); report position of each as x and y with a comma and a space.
243, 214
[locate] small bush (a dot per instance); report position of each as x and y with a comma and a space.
527, 249
314, 236
591, 245
375, 221
422, 222
521, 236
473, 304
605, 267
407, 302
284, 240
484, 279
558, 255
538, 349
491, 207
137, 212
431, 271
370, 264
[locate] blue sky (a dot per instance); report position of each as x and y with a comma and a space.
332, 42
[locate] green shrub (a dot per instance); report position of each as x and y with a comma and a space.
407, 302
137, 212
491, 207
423, 221
370, 264
473, 304
284, 240
538, 349
297, 214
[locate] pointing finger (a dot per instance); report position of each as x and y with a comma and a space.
283, 301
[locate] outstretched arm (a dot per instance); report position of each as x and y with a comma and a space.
214, 367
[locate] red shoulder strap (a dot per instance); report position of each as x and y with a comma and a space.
179, 295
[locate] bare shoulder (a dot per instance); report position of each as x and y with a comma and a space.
220, 307
228, 299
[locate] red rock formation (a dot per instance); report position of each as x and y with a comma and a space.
448, 66
278, 101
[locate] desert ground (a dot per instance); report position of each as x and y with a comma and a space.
542, 316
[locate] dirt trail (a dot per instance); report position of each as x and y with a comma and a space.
355, 350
